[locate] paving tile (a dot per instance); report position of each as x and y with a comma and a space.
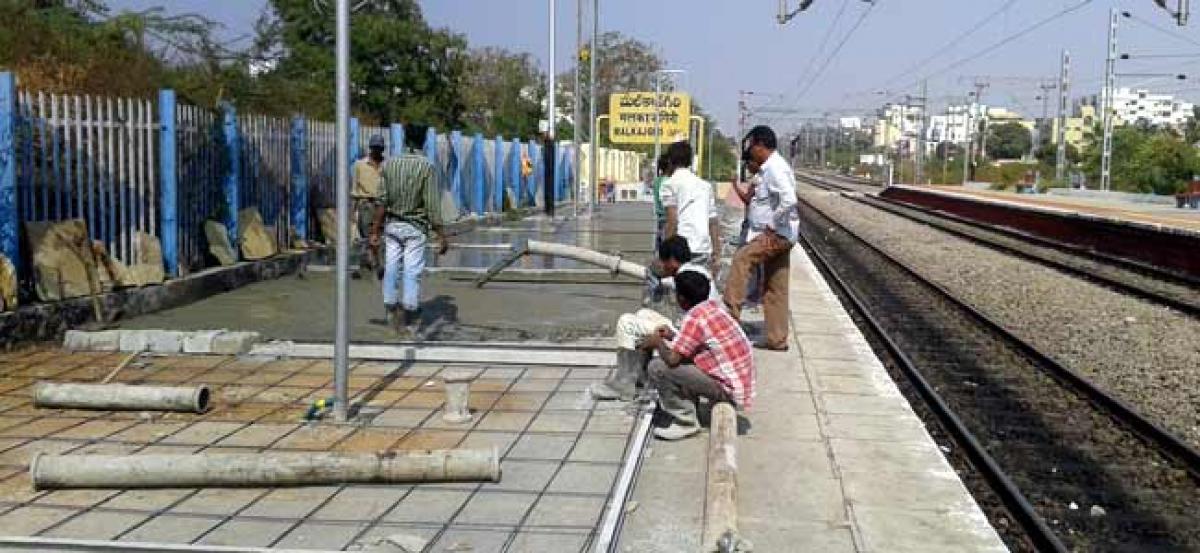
41, 427
584, 478
502, 441
254, 411
290, 502
570, 401
814, 346
422, 399
530, 542
541, 446
97, 525
521, 401
314, 438
407, 418
22, 454
367, 440
377, 535
147, 500
257, 435
777, 493
145, 432
774, 533
314, 535
761, 456
873, 427
475, 541
106, 448
202, 433
432, 439
610, 422
932, 491
247, 533
887, 457
28, 521
171, 529
9, 422
818, 367
902, 530
18, 487
599, 449
534, 385
542, 373
866, 404
558, 422
362, 503
505, 420
217, 501
503, 373
529, 476
783, 426
496, 508
878, 384
428, 505
560, 510
174, 449
74, 498
482, 401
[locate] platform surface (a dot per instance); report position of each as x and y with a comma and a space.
835, 459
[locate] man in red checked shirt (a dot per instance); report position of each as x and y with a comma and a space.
708, 357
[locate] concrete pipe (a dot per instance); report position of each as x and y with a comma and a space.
583, 255
263, 470
115, 397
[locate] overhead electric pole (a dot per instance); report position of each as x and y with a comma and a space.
577, 108
548, 154
1107, 103
919, 170
341, 325
593, 135
1045, 87
1064, 98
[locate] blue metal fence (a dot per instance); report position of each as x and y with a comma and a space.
155, 166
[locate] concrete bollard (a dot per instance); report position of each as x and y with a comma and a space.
458, 396
263, 469
116, 397
720, 512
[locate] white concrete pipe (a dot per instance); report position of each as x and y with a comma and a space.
263, 469
584, 255
116, 397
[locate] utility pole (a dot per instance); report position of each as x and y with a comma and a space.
1110, 81
919, 170
1045, 87
969, 157
341, 325
593, 135
548, 154
946, 150
577, 108
1064, 86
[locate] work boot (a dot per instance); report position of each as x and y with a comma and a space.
394, 316
623, 384
676, 431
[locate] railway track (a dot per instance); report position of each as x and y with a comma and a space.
1078, 469
1178, 292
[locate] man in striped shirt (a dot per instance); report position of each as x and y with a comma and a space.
409, 211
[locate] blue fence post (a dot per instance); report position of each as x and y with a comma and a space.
480, 184
431, 151
456, 165
355, 150
535, 151
514, 168
498, 170
299, 157
232, 172
396, 139
9, 217
168, 219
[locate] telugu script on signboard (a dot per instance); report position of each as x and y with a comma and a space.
632, 117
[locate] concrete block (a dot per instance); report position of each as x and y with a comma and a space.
200, 341
105, 340
496, 508
560, 510
135, 340
166, 341
428, 505
234, 343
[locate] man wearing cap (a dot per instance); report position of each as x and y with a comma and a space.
365, 192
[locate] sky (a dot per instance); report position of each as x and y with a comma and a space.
887, 47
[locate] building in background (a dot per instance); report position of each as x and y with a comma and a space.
1134, 106
898, 127
1082, 122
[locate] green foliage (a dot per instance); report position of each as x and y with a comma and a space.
1008, 141
1144, 160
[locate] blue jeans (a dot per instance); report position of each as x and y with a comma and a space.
404, 251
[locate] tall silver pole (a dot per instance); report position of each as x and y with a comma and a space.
657, 116
553, 78
548, 148
341, 347
1064, 84
577, 111
1110, 78
593, 158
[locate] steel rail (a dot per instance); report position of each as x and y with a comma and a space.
1118, 409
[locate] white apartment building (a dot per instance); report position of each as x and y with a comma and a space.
850, 123
1160, 110
898, 126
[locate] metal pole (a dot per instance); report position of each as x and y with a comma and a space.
341, 347
593, 159
708, 156
1060, 162
968, 107
549, 158
1110, 77
657, 115
577, 111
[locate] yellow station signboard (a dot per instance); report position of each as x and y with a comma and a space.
632, 119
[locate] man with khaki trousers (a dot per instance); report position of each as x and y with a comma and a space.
772, 230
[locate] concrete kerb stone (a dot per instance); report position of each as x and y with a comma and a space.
162, 341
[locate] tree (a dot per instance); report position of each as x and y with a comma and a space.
400, 68
1008, 141
502, 93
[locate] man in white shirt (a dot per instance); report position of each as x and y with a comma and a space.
692, 211
772, 228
